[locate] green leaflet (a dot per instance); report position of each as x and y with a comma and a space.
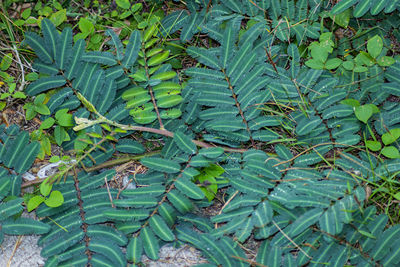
99, 260
168, 213
51, 36
211, 152
10, 208
129, 146
150, 243
160, 228
220, 255
136, 202
263, 214
125, 215
98, 231
307, 219
184, 142
129, 227
24, 226
135, 249
227, 45
204, 56
180, 202
44, 84
109, 250
242, 212
361, 8
385, 241
342, 6
377, 7
188, 188
104, 58
116, 43
160, 164
306, 125
55, 247
132, 49
38, 45
152, 190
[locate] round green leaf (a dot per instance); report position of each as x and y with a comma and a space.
390, 152
363, 113
45, 187
34, 202
55, 199
123, 4
47, 123
391, 136
373, 145
333, 63
374, 46
386, 61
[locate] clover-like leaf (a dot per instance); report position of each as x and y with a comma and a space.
374, 46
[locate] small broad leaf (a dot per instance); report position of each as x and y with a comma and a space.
373, 145
123, 4
319, 53
45, 187
385, 61
64, 118
34, 202
374, 46
343, 18
391, 136
390, 152
55, 199
315, 64
363, 113
333, 63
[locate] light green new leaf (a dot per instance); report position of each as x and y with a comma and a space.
391, 152
34, 202
363, 113
373, 145
375, 45
391, 136
55, 199
160, 228
162, 165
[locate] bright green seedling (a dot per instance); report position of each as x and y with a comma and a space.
208, 180
38, 106
364, 113
320, 52
50, 198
